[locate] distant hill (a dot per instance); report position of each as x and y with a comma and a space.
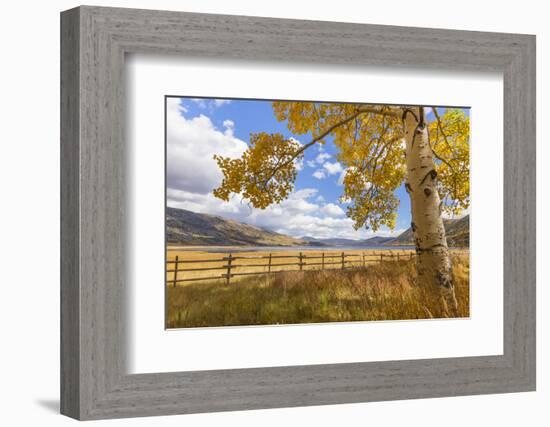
379, 240
373, 241
457, 231
184, 227
189, 228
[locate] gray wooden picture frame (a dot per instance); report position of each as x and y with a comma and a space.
94, 381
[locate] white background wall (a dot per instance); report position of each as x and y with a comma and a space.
29, 213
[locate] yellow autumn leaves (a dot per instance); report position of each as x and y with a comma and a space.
370, 149
265, 173
450, 141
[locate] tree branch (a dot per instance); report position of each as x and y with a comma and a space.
328, 131
437, 156
440, 127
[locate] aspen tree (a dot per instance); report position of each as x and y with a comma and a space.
381, 148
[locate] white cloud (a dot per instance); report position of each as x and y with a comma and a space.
321, 157
296, 216
332, 210
229, 126
176, 104
200, 102
333, 168
208, 103
311, 163
342, 177
292, 139
235, 208
220, 102
297, 202
192, 174
319, 174
191, 143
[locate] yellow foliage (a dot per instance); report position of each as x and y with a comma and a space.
450, 140
265, 173
370, 143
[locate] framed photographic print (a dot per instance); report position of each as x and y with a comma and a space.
304, 232
262, 213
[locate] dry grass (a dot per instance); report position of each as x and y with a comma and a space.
386, 291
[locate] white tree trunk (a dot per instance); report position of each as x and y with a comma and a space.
433, 261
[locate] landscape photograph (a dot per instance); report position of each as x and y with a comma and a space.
293, 212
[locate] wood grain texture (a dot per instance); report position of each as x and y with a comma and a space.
70, 263
94, 381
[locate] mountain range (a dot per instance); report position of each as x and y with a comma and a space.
373, 241
184, 227
456, 230
190, 228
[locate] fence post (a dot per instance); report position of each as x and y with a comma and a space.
364, 260
300, 257
343, 260
229, 259
322, 260
269, 265
381, 257
397, 256
176, 271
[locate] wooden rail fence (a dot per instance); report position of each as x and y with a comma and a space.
230, 268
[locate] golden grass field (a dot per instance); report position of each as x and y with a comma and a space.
372, 290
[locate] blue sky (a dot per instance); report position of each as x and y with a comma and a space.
198, 128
